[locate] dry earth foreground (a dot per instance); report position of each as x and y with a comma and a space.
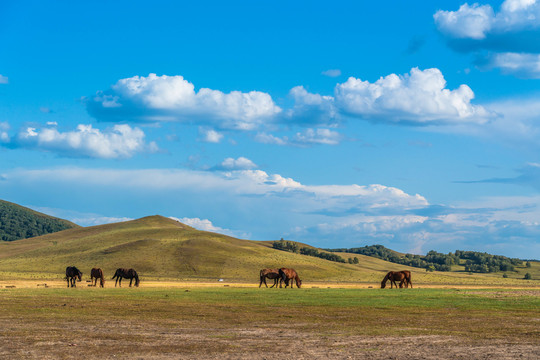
230, 321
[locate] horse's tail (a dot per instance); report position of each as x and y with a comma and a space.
409, 278
115, 275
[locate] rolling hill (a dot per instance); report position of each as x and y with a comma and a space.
19, 222
160, 248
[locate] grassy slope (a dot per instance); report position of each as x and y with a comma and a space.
161, 248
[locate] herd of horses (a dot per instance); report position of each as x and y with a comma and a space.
280, 276
285, 275
73, 274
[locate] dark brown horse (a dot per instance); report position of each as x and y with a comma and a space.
270, 274
404, 278
72, 274
289, 275
95, 274
126, 274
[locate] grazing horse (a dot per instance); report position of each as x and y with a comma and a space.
290, 274
404, 278
72, 273
270, 274
95, 274
126, 274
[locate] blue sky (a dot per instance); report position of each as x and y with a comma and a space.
409, 124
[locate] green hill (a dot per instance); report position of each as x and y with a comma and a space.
18, 222
160, 248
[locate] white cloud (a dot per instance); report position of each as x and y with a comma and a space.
420, 97
521, 65
4, 79
205, 225
507, 39
241, 163
172, 98
317, 136
479, 21
122, 141
313, 109
468, 22
246, 182
271, 139
308, 137
210, 135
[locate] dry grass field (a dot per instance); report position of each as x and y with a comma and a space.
230, 321
182, 310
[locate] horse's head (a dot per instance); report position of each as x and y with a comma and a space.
79, 276
383, 284
298, 283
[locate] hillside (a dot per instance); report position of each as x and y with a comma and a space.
160, 248
18, 222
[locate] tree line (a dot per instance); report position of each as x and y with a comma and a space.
473, 261
17, 222
293, 247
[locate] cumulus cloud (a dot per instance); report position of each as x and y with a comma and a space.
420, 97
468, 22
210, 135
205, 225
122, 141
4, 79
172, 98
507, 38
311, 109
240, 163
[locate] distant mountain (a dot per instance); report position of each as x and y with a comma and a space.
18, 222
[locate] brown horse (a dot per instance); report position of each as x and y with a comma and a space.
404, 278
290, 274
95, 274
126, 274
270, 274
72, 274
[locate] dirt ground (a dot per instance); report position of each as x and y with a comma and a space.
42, 337
131, 341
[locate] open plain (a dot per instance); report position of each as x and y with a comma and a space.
240, 321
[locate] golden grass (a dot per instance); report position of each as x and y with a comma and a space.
161, 249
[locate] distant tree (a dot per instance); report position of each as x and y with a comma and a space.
528, 276
505, 275
528, 264
355, 260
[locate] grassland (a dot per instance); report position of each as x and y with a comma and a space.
161, 249
251, 323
